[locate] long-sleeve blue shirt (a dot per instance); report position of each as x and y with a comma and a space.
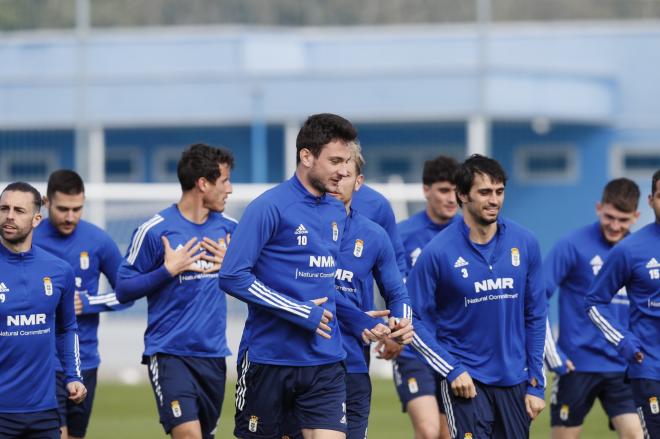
635, 264
37, 321
416, 232
571, 266
367, 254
187, 314
90, 251
283, 255
490, 314
378, 209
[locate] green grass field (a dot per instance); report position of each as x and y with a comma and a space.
129, 412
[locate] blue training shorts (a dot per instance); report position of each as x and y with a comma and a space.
271, 398
188, 389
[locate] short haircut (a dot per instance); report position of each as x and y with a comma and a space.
321, 129
477, 164
66, 182
21, 186
654, 181
356, 155
201, 161
622, 193
441, 168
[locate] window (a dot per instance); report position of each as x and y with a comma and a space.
546, 164
164, 163
124, 164
638, 162
28, 164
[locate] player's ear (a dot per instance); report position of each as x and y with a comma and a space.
36, 219
45, 202
306, 157
599, 207
463, 198
202, 184
359, 181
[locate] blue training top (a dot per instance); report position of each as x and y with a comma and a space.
37, 321
572, 265
90, 251
490, 314
283, 255
635, 264
187, 314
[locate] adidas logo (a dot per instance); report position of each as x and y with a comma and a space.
301, 230
460, 262
596, 260
3, 288
653, 263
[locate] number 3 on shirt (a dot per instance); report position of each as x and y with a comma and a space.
302, 239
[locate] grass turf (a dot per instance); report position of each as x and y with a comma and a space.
130, 412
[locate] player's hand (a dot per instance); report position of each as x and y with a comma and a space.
376, 333
182, 259
217, 252
463, 386
77, 303
639, 357
378, 313
570, 367
77, 391
387, 349
402, 330
323, 329
534, 405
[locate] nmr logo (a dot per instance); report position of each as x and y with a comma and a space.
321, 261
500, 283
26, 319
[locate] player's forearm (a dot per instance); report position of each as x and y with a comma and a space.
68, 352
102, 303
247, 288
554, 356
430, 351
352, 318
140, 285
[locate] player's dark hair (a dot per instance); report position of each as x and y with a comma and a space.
21, 186
622, 193
201, 160
66, 182
321, 129
441, 168
477, 164
654, 181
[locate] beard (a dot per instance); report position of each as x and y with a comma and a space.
18, 238
317, 183
481, 219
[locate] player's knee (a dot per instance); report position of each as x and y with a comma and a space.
187, 430
427, 430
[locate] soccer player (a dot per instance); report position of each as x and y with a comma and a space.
587, 366
367, 254
173, 260
634, 264
90, 251
417, 385
378, 209
37, 320
282, 263
490, 307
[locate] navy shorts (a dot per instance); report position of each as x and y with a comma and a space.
358, 404
36, 425
414, 378
496, 412
271, 399
76, 416
574, 394
188, 389
647, 399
